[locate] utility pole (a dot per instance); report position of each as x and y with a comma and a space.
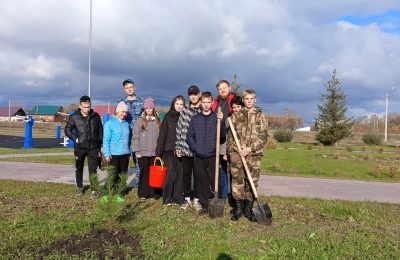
9, 110
386, 111
90, 48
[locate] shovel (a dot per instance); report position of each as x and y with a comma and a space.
215, 205
263, 212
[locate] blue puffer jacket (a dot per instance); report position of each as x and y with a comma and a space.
116, 138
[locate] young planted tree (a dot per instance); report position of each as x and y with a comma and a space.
236, 86
332, 123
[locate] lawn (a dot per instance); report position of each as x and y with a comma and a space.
343, 162
296, 159
36, 132
37, 218
59, 159
35, 150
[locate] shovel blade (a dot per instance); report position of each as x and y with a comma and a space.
216, 208
259, 214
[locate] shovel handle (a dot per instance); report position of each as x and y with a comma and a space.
217, 153
246, 168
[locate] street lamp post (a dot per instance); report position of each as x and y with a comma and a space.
90, 48
386, 111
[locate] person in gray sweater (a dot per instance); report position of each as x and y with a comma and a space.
144, 141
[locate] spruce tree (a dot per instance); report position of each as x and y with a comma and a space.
332, 123
236, 86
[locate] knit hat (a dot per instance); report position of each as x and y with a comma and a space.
121, 107
148, 103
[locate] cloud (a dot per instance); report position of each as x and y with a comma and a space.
285, 50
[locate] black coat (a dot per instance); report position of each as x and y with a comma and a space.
167, 137
88, 131
202, 135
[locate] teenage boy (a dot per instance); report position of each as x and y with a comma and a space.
135, 110
85, 129
201, 138
223, 100
182, 148
251, 128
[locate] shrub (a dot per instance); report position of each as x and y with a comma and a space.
283, 135
378, 170
277, 167
372, 139
271, 144
394, 170
364, 148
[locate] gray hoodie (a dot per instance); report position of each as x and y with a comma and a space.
145, 142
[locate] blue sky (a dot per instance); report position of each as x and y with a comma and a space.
285, 50
388, 21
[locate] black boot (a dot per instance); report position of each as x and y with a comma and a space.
248, 210
237, 211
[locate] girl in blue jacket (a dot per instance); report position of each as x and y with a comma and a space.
116, 142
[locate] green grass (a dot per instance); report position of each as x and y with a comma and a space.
20, 131
60, 159
295, 159
34, 215
35, 150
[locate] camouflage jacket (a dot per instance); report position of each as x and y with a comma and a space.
135, 110
251, 129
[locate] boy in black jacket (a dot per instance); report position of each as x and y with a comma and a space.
201, 138
85, 128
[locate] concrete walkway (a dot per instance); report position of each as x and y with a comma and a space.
269, 185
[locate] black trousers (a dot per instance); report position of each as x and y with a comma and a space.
189, 175
144, 190
80, 156
120, 164
173, 185
205, 175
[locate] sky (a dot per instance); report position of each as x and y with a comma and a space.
285, 50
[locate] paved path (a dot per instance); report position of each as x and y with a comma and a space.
269, 185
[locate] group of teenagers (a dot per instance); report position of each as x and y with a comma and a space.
186, 141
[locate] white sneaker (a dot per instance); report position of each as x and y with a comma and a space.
186, 203
197, 205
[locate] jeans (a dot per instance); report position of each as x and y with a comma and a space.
223, 186
136, 171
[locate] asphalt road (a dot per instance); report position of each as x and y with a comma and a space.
17, 142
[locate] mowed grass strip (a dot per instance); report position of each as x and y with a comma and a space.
59, 159
35, 150
298, 160
34, 215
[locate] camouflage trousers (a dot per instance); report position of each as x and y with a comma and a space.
241, 189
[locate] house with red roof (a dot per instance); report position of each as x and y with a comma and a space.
104, 109
11, 113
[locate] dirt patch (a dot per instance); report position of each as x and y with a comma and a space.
99, 243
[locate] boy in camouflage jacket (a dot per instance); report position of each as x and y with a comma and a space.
251, 128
